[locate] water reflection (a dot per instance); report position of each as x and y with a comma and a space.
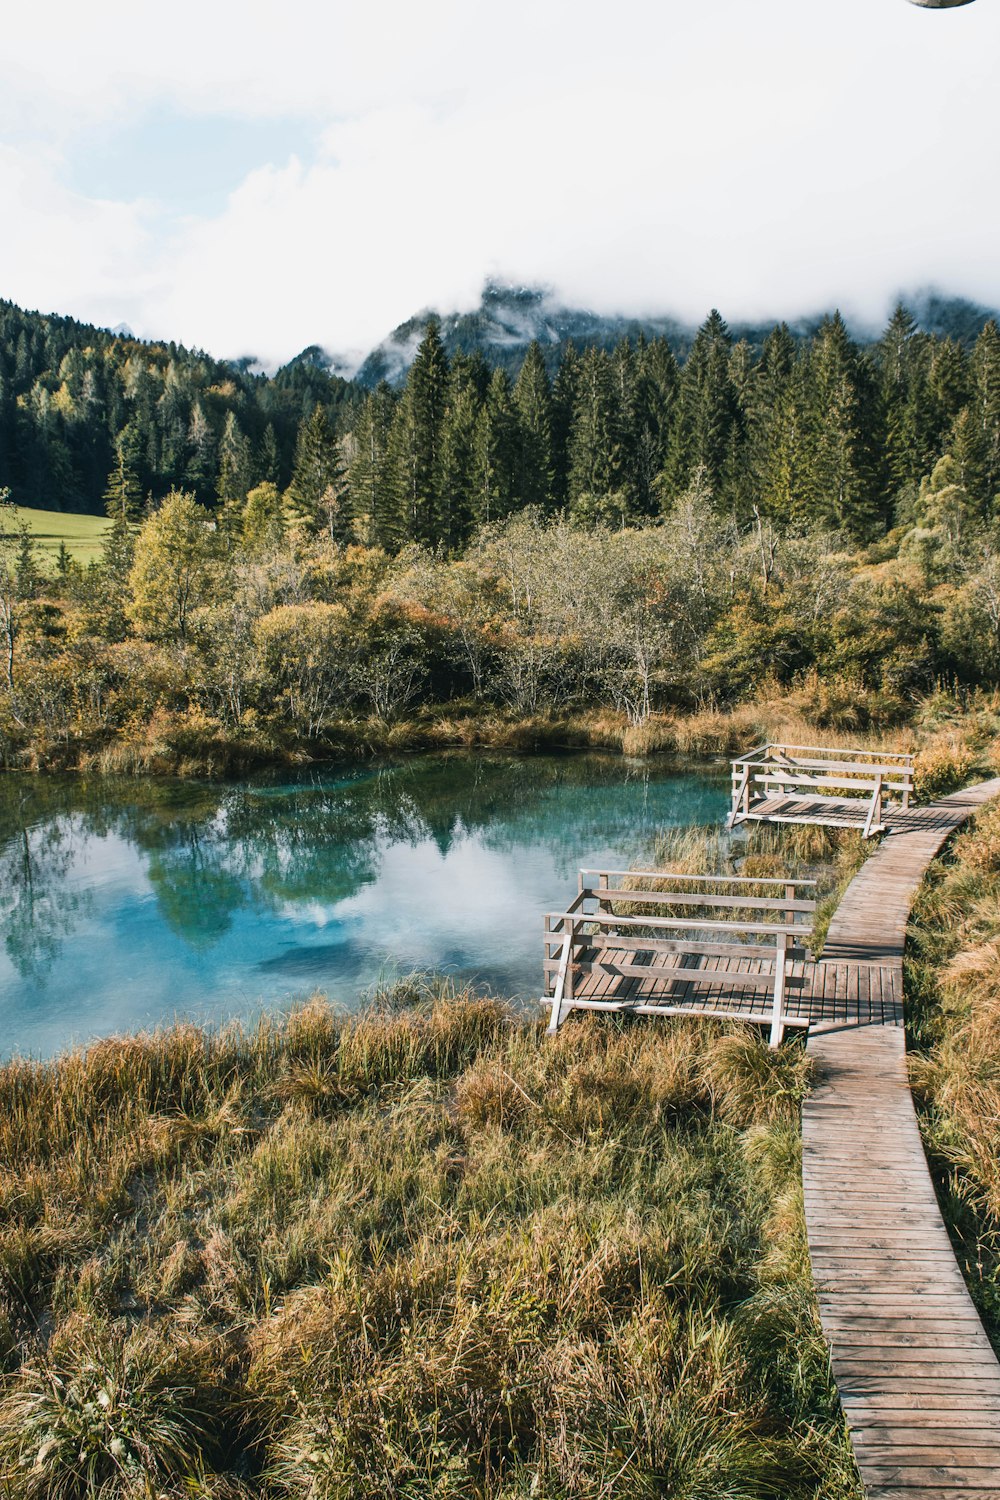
125, 903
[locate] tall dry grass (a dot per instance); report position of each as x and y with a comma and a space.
421, 1252
953, 994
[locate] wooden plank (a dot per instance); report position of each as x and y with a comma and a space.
694, 925
919, 1380
638, 897
709, 880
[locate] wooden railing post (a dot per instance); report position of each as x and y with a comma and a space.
778, 1007
790, 896
741, 797
564, 978
874, 818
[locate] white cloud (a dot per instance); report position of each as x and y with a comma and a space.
767, 158
63, 252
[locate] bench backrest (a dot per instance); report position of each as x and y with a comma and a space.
780, 766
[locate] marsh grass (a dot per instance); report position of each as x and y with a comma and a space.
419, 1252
953, 737
953, 997
762, 851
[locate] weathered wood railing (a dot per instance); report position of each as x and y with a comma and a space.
658, 929
848, 788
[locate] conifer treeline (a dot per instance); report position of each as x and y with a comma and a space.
820, 433
76, 401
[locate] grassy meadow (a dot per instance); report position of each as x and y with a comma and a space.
420, 1252
82, 536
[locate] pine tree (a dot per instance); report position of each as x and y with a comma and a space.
415, 443
496, 452
564, 393
376, 514
533, 406
656, 383
596, 469
839, 483
201, 453
314, 495
966, 450
985, 372
456, 464
268, 458
902, 358
122, 495
123, 503
950, 389
773, 427
236, 465
706, 412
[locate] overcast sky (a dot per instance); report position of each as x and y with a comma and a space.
255, 177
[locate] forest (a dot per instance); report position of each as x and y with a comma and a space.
301, 566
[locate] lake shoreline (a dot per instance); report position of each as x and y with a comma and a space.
199, 747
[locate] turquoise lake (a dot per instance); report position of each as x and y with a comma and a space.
124, 904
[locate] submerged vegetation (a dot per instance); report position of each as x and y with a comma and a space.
418, 1252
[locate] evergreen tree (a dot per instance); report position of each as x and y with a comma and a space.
314, 495
950, 389
415, 443
122, 495
985, 370
533, 406
200, 468
656, 382
707, 413
839, 483
564, 394
123, 503
497, 454
377, 516
596, 469
237, 471
773, 426
269, 458
966, 450
456, 464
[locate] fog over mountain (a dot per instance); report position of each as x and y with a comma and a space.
510, 317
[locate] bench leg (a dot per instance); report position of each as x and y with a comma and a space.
778, 1006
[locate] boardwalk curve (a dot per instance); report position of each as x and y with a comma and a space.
918, 1379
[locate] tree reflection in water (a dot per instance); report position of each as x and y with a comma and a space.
164, 895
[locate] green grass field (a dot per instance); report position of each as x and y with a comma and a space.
82, 534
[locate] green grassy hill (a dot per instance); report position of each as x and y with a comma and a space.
82, 534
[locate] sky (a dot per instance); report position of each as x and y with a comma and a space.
253, 178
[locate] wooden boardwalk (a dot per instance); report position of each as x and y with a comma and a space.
918, 1379
847, 812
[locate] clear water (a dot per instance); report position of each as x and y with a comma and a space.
125, 904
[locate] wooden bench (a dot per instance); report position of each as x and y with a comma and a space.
633, 940
814, 784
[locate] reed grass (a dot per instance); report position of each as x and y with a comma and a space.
953, 995
762, 851
423, 1251
952, 736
